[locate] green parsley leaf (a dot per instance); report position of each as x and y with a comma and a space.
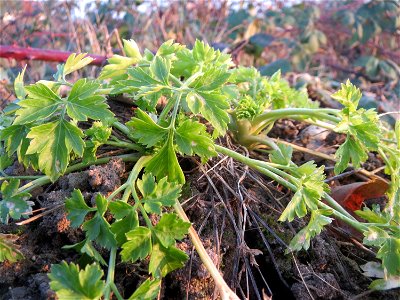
138, 244
131, 49
146, 130
117, 64
76, 62
164, 260
8, 250
127, 219
350, 150
13, 136
148, 290
361, 126
19, 85
14, 204
97, 229
170, 228
310, 189
389, 253
348, 95
160, 68
213, 106
82, 102
317, 222
86, 247
281, 158
165, 163
77, 208
375, 236
53, 142
40, 103
191, 137
71, 283
155, 195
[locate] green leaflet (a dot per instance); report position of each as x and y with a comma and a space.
160, 68
19, 85
317, 222
361, 126
213, 106
350, 151
191, 138
390, 255
9, 251
165, 260
310, 189
76, 62
82, 103
98, 229
284, 157
99, 134
41, 103
149, 289
170, 228
86, 247
155, 195
42, 118
146, 130
126, 219
54, 142
69, 282
14, 204
13, 137
77, 208
139, 244
118, 64
165, 163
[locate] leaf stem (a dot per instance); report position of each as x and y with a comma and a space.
273, 172
111, 272
122, 144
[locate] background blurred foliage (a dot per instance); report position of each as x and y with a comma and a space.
329, 40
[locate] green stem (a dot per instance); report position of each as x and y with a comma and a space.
261, 120
111, 272
125, 130
46, 179
175, 111
121, 144
20, 177
272, 172
166, 110
116, 292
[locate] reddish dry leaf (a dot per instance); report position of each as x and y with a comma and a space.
351, 196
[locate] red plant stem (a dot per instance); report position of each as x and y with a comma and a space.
20, 53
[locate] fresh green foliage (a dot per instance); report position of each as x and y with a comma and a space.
77, 208
149, 289
185, 98
138, 244
169, 229
310, 188
156, 195
14, 204
361, 127
45, 127
317, 222
69, 282
8, 250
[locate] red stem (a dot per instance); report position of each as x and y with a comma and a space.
20, 53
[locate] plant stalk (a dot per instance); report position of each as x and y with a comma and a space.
225, 290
